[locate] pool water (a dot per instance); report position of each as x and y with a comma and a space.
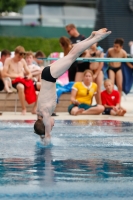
86, 160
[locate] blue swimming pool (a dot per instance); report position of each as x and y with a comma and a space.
86, 160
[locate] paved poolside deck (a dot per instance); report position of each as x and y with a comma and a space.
127, 102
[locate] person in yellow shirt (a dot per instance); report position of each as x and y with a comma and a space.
82, 95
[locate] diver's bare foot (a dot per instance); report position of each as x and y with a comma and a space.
101, 35
23, 112
79, 112
102, 30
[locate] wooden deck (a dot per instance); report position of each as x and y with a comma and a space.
10, 103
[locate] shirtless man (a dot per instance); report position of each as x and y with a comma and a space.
16, 67
47, 97
115, 71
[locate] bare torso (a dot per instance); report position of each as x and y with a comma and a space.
113, 54
16, 68
95, 54
47, 98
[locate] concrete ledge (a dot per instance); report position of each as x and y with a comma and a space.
65, 116
61, 110
8, 102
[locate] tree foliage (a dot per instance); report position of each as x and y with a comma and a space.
11, 5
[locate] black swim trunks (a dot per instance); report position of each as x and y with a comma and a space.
14, 85
107, 111
46, 75
82, 66
35, 85
114, 69
1, 85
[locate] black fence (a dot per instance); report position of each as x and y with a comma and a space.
117, 16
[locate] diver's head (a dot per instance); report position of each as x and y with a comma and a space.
39, 127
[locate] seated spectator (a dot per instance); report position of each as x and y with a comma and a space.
111, 100
34, 69
82, 95
7, 81
16, 69
96, 67
4, 54
81, 67
39, 62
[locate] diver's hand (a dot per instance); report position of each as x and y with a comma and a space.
46, 140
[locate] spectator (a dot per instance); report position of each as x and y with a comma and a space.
96, 67
7, 81
111, 100
34, 69
81, 67
75, 72
67, 46
16, 68
115, 71
39, 62
82, 95
4, 54
131, 48
75, 36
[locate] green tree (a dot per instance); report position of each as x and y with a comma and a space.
11, 5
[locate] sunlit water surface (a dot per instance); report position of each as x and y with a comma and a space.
86, 160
